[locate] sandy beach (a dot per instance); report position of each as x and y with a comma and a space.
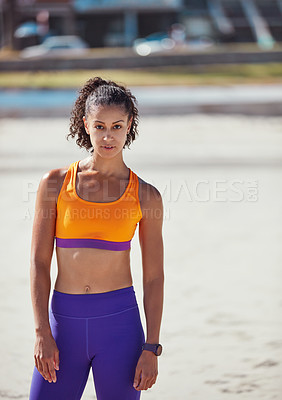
220, 178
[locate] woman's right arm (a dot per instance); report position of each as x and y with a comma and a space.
46, 353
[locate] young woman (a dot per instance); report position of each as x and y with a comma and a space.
91, 208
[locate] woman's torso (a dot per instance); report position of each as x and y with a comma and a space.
86, 212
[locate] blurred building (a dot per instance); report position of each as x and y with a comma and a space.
124, 20
119, 22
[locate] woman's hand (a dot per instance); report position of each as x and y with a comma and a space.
146, 371
46, 355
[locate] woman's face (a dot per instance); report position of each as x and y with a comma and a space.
107, 126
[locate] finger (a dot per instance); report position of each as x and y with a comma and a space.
137, 378
143, 383
46, 371
56, 360
39, 365
151, 382
52, 371
35, 362
147, 382
152, 379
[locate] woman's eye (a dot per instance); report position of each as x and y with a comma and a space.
97, 126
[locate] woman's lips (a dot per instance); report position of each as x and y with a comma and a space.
108, 147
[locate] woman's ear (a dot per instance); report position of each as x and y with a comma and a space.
85, 124
129, 123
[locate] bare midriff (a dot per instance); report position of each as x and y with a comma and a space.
84, 270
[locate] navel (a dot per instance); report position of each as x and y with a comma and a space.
87, 289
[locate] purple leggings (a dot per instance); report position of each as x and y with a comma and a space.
102, 331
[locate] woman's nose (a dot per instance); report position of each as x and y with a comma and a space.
107, 135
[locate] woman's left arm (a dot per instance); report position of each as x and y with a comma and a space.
151, 243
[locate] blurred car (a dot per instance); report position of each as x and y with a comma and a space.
26, 29
199, 43
155, 42
68, 45
27, 34
161, 41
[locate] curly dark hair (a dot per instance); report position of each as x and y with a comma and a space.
98, 91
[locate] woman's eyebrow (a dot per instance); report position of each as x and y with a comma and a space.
113, 122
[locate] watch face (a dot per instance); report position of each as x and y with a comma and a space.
159, 350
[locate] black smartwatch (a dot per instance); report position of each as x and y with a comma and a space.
155, 348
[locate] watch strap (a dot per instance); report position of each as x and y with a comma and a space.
151, 347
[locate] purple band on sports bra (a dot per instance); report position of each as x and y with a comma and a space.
93, 243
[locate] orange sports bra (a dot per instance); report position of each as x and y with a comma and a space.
83, 223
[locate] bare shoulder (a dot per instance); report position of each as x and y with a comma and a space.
52, 181
149, 195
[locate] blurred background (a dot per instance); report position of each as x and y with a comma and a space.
106, 23
207, 77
